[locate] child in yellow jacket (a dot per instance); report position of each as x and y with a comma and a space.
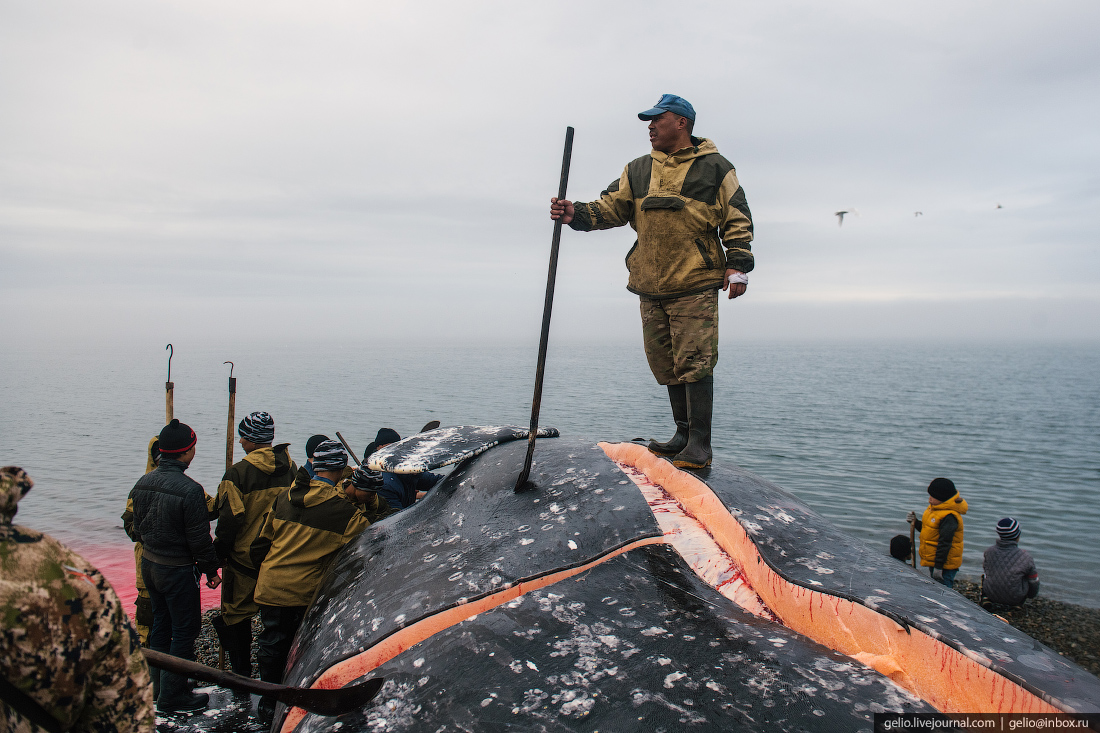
941, 531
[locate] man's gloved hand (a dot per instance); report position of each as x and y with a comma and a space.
937, 575
911, 517
365, 479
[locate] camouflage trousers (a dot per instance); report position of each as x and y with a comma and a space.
681, 337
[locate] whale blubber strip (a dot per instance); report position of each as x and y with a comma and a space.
360, 665
937, 673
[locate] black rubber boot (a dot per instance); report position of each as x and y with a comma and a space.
265, 709
677, 395
176, 696
154, 675
240, 651
700, 398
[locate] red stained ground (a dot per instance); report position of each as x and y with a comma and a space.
117, 565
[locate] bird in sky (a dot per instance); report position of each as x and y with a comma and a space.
840, 215
918, 213
999, 206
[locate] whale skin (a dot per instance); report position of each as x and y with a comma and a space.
620, 593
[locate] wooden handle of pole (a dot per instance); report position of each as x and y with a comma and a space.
912, 537
348, 449
229, 442
169, 388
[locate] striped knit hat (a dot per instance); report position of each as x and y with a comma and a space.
259, 427
1008, 529
365, 479
329, 456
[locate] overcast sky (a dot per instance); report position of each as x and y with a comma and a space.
210, 170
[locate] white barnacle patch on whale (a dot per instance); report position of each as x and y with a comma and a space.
815, 566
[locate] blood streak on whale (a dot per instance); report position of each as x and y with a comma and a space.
696, 544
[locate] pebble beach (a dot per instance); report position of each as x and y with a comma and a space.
1071, 630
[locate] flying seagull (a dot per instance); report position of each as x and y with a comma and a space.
918, 213
999, 206
840, 216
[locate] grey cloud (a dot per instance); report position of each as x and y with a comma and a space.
397, 160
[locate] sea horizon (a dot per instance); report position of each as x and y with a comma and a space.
856, 430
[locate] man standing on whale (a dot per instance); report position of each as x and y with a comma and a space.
694, 238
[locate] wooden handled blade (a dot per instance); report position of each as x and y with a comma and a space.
323, 702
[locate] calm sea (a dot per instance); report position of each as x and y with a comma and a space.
855, 431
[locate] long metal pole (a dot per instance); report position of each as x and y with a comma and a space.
547, 308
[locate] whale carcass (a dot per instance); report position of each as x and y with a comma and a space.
620, 593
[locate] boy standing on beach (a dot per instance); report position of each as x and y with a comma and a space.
941, 531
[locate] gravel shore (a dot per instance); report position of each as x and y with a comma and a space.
206, 646
1071, 630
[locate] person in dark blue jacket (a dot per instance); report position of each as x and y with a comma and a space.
400, 490
172, 521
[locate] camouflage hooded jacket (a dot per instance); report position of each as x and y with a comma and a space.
685, 207
65, 641
301, 535
246, 492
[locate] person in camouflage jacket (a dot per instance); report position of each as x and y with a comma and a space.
694, 237
67, 649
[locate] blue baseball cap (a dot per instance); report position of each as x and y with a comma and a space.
669, 103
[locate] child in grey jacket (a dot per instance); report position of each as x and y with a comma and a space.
1010, 575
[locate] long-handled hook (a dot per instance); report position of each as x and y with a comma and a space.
170, 351
232, 381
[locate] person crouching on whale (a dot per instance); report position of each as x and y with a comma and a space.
400, 490
361, 489
941, 531
300, 536
1009, 573
248, 489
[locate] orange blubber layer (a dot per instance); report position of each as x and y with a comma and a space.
353, 668
946, 679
